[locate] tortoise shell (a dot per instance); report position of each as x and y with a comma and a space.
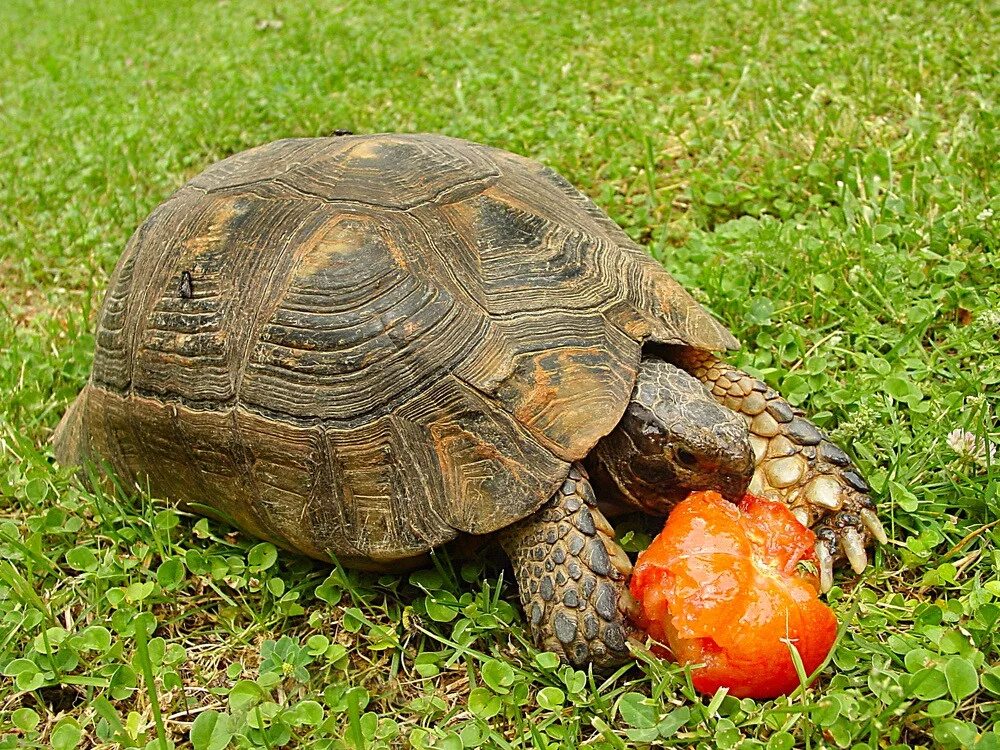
362, 346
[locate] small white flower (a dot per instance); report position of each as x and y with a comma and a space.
964, 443
985, 214
989, 320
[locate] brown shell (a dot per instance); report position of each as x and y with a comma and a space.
362, 346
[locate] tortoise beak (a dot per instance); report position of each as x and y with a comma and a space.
732, 486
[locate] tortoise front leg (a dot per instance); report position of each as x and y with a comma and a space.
572, 577
797, 463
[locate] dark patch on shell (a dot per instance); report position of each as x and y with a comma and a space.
186, 287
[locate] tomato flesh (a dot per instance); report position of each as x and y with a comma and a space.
723, 587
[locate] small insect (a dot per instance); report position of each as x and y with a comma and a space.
341, 131
186, 289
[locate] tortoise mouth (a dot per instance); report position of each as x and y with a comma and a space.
731, 486
659, 498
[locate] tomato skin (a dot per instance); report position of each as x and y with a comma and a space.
721, 585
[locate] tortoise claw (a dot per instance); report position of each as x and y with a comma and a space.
871, 522
854, 549
825, 560
844, 535
629, 606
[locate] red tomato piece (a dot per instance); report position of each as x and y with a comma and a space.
723, 587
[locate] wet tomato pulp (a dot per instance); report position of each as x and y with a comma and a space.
730, 587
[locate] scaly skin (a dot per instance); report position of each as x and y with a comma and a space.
572, 577
797, 464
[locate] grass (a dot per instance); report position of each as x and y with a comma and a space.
822, 174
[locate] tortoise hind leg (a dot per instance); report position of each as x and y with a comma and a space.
796, 463
572, 577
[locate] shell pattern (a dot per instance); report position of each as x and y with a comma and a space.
363, 346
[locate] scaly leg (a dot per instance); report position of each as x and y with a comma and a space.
572, 577
797, 463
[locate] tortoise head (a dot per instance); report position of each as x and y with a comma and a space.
674, 438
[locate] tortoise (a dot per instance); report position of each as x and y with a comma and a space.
364, 347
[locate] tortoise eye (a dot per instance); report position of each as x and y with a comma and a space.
686, 458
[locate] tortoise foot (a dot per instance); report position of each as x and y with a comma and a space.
796, 463
573, 577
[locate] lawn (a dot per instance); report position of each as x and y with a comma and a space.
821, 174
